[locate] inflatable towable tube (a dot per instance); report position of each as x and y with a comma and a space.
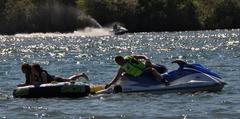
62, 89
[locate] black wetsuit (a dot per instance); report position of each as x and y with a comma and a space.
50, 78
27, 76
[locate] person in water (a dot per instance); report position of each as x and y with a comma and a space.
133, 66
42, 76
26, 69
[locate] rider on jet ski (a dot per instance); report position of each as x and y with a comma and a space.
134, 66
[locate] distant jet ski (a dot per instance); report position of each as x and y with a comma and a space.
119, 30
188, 78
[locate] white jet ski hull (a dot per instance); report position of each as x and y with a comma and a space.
189, 78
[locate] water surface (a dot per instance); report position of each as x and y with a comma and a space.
67, 54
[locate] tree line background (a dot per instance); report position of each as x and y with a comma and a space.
17, 16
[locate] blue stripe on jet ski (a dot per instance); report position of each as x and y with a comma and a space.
177, 74
147, 79
201, 68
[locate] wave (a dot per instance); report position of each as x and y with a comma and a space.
86, 32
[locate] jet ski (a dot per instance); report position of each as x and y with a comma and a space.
188, 78
119, 30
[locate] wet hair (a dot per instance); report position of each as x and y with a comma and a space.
26, 67
37, 67
119, 60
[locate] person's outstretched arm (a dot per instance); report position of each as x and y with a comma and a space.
141, 57
116, 78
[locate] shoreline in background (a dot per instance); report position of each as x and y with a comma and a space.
92, 32
31, 16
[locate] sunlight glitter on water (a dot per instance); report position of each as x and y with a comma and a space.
66, 54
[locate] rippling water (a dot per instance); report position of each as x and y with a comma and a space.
68, 54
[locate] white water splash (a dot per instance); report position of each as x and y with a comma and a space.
87, 32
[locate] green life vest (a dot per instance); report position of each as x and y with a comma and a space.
133, 67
